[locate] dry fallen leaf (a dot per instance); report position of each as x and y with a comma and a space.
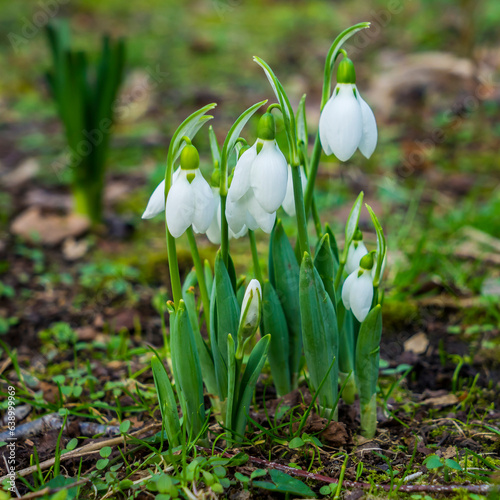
417, 344
446, 400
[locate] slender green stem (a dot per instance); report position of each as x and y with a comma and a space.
173, 267
338, 276
316, 219
200, 274
311, 174
255, 256
300, 211
224, 230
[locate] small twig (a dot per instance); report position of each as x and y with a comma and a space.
408, 488
46, 491
80, 452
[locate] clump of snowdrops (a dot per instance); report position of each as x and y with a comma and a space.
318, 308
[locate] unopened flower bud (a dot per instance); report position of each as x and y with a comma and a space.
250, 316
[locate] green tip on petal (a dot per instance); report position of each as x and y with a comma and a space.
267, 128
366, 261
190, 159
346, 72
358, 235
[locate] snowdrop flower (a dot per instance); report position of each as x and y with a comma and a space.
347, 122
259, 183
357, 292
190, 200
250, 315
214, 230
289, 201
357, 250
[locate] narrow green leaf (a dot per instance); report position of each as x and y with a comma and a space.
319, 332
274, 323
381, 247
332, 56
188, 128
228, 310
248, 382
187, 370
367, 367
351, 225
231, 382
168, 405
286, 277
234, 133
204, 351
324, 264
214, 146
302, 122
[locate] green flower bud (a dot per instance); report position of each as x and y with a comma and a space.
190, 159
267, 127
346, 72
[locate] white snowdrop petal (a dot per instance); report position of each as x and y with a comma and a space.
204, 203
289, 201
357, 250
324, 127
344, 123
269, 177
180, 207
236, 236
241, 178
368, 141
236, 214
156, 203
264, 219
361, 296
346, 289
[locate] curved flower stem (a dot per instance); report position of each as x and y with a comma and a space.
224, 230
255, 257
173, 267
300, 211
316, 219
338, 276
311, 174
200, 275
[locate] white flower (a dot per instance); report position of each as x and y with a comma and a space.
357, 250
214, 230
347, 123
357, 293
156, 203
258, 188
189, 202
289, 201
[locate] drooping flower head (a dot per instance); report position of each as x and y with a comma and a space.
357, 291
259, 182
190, 201
347, 122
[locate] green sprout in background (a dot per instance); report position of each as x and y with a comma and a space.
85, 98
